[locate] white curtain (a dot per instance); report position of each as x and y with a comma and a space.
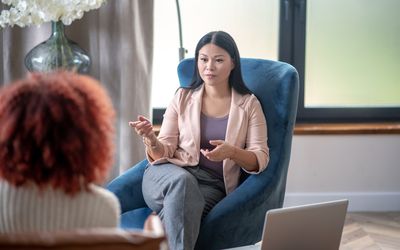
119, 40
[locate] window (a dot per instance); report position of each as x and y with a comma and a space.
347, 54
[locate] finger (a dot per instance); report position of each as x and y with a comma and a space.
212, 156
133, 123
204, 151
145, 124
142, 125
146, 130
143, 119
216, 142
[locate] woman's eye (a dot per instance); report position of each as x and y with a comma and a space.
203, 59
219, 60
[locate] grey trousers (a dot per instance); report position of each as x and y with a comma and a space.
181, 197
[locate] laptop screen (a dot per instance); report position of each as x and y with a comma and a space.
313, 226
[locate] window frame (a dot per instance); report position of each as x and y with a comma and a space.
292, 45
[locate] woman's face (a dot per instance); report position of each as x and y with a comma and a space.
214, 65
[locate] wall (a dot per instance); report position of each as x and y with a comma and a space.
363, 168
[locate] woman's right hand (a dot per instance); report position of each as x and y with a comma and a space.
144, 128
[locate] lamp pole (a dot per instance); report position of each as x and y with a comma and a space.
182, 50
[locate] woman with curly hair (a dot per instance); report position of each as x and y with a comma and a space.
56, 147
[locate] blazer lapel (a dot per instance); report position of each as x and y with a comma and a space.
193, 112
233, 135
236, 115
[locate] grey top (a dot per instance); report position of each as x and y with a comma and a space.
212, 129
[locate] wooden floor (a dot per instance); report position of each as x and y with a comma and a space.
370, 231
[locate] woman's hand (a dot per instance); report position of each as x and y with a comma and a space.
144, 128
222, 151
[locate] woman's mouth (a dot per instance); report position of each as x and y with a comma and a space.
210, 76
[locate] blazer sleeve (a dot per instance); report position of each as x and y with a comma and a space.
256, 140
169, 131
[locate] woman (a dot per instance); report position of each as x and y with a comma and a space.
56, 147
210, 131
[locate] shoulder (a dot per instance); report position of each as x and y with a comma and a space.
251, 98
185, 95
185, 92
247, 101
254, 101
9, 190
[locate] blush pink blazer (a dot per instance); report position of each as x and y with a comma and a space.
180, 132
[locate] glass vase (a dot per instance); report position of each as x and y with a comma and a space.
57, 52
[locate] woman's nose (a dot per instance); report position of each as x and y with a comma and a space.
210, 65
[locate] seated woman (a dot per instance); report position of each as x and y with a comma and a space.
212, 129
56, 147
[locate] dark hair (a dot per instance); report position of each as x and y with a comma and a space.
56, 129
226, 42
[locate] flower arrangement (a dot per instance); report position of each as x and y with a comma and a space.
27, 12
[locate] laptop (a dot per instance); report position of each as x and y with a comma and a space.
311, 226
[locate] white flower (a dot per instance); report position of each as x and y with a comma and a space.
26, 12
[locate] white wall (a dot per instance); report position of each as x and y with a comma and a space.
363, 168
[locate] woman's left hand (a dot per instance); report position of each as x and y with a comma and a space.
221, 151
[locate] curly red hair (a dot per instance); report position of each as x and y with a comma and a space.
56, 129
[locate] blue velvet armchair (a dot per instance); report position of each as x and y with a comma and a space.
237, 219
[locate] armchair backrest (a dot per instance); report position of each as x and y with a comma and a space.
152, 237
276, 85
89, 239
